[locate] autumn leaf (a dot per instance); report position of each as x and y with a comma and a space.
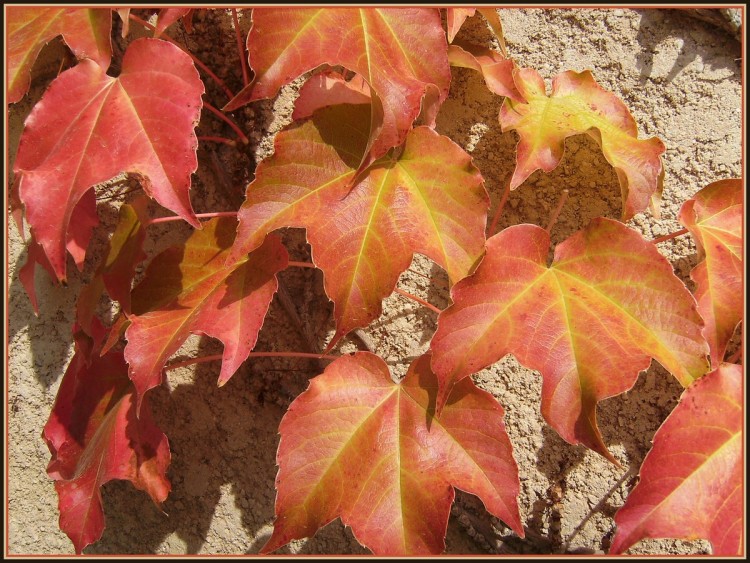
168, 16
714, 217
94, 437
589, 322
330, 88
191, 288
89, 127
692, 479
400, 52
429, 199
579, 105
115, 273
496, 70
455, 18
359, 446
86, 32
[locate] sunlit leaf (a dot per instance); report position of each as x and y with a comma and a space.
579, 105
589, 323
359, 446
691, 482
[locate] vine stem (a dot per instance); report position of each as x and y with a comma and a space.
231, 123
240, 49
499, 211
556, 212
397, 290
204, 359
198, 215
675, 234
207, 70
229, 142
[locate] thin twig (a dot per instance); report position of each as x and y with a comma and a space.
670, 236
210, 139
734, 357
207, 70
427, 304
198, 215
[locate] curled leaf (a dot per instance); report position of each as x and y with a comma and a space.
589, 322
359, 446
579, 105
496, 69
692, 479
714, 217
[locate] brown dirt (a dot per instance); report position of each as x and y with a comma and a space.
679, 76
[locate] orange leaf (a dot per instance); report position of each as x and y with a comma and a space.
400, 52
359, 446
429, 199
496, 69
589, 322
86, 32
692, 479
714, 217
579, 105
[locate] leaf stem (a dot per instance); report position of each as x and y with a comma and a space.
240, 49
216, 357
556, 212
675, 234
427, 304
207, 70
198, 215
499, 211
221, 115
229, 142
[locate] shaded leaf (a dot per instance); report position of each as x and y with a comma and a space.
94, 437
589, 322
400, 52
496, 69
579, 105
141, 122
359, 446
192, 289
715, 217
455, 18
330, 88
429, 199
86, 32
691, 481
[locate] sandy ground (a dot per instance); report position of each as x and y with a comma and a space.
679, 76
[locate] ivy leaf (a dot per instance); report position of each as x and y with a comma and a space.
589, 322
192, 289
85, 31
400, 52
714, 217
691, 481
429, 199
455, 18
496, 69
168, 16
359, 446
579, 105
89, 127
330, 88
94, 437
116, 271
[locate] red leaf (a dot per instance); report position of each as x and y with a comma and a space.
359, 446
329, 88
400, 52
94, 437
589, 322
430, 199
89, 127
692, 479
191, 289
168, 16
714, 217
579, 105
87, 33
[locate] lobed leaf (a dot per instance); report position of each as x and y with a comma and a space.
94, 436
496, 69
692, 479
359, 446
579, 105
589, 322
714, 217
85, 31
193, 289
400, 52
89, 127
429, 199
